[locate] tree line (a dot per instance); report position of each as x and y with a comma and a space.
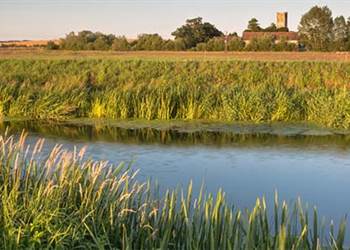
318, 31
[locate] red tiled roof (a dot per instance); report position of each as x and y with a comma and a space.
247, 35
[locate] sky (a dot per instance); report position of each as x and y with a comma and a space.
50, 19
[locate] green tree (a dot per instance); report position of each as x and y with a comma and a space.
253, 25
174, 45
284, 45
87, 40
263, 43
235, 44
316, 28
341, 33
216, 44
72, 42
120, 44
51, 45
282, 29
101, 43
201, 47
195, 31
179, 45
271, 28
149, 42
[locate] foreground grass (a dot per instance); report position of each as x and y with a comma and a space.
67, 202
215, 90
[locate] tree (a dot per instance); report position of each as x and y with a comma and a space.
263, 43
340, 33
283, 29
284, 45
101, 43
235, 44
179, 45
87, 40
253, 25
216, 44
51, 45
233, 34
195, 31
316, 28
201, 47
149, 42
271, 28
120, 44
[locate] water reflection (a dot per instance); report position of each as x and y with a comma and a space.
137, 136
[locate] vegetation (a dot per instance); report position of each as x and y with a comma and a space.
254, 26
215, 90
229, 43
316, 28
269, 43
319, 31
65, 202
87, 40
195, 32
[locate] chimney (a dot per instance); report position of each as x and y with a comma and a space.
282, 20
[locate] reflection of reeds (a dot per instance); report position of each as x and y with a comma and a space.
315, 92
66, 202
252, 136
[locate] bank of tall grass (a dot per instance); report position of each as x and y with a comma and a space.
224, 90
65, 202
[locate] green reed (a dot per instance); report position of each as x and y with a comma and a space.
64, 201
216, 90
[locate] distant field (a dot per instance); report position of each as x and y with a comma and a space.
33, 53
29, 43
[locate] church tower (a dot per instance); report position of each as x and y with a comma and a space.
282, 20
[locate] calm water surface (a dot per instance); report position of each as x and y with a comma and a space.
316, 168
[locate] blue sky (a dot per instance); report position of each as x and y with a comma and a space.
48, 19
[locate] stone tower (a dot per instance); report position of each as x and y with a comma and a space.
282, 20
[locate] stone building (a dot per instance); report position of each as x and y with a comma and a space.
282, 20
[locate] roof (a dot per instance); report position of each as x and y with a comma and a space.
293, 36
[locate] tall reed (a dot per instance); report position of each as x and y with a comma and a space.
63, 201
220, 90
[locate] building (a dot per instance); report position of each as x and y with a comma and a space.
281, 24
282, 20
290, 36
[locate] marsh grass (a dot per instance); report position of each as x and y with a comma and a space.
65, 201
215, 90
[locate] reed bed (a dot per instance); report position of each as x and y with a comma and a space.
214, 90
65, 201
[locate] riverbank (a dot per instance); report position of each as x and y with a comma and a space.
225, 91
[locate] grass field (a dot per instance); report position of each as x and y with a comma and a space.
36, 53
150, 89
25, 43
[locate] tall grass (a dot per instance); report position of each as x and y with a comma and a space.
64, 201
313, 92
